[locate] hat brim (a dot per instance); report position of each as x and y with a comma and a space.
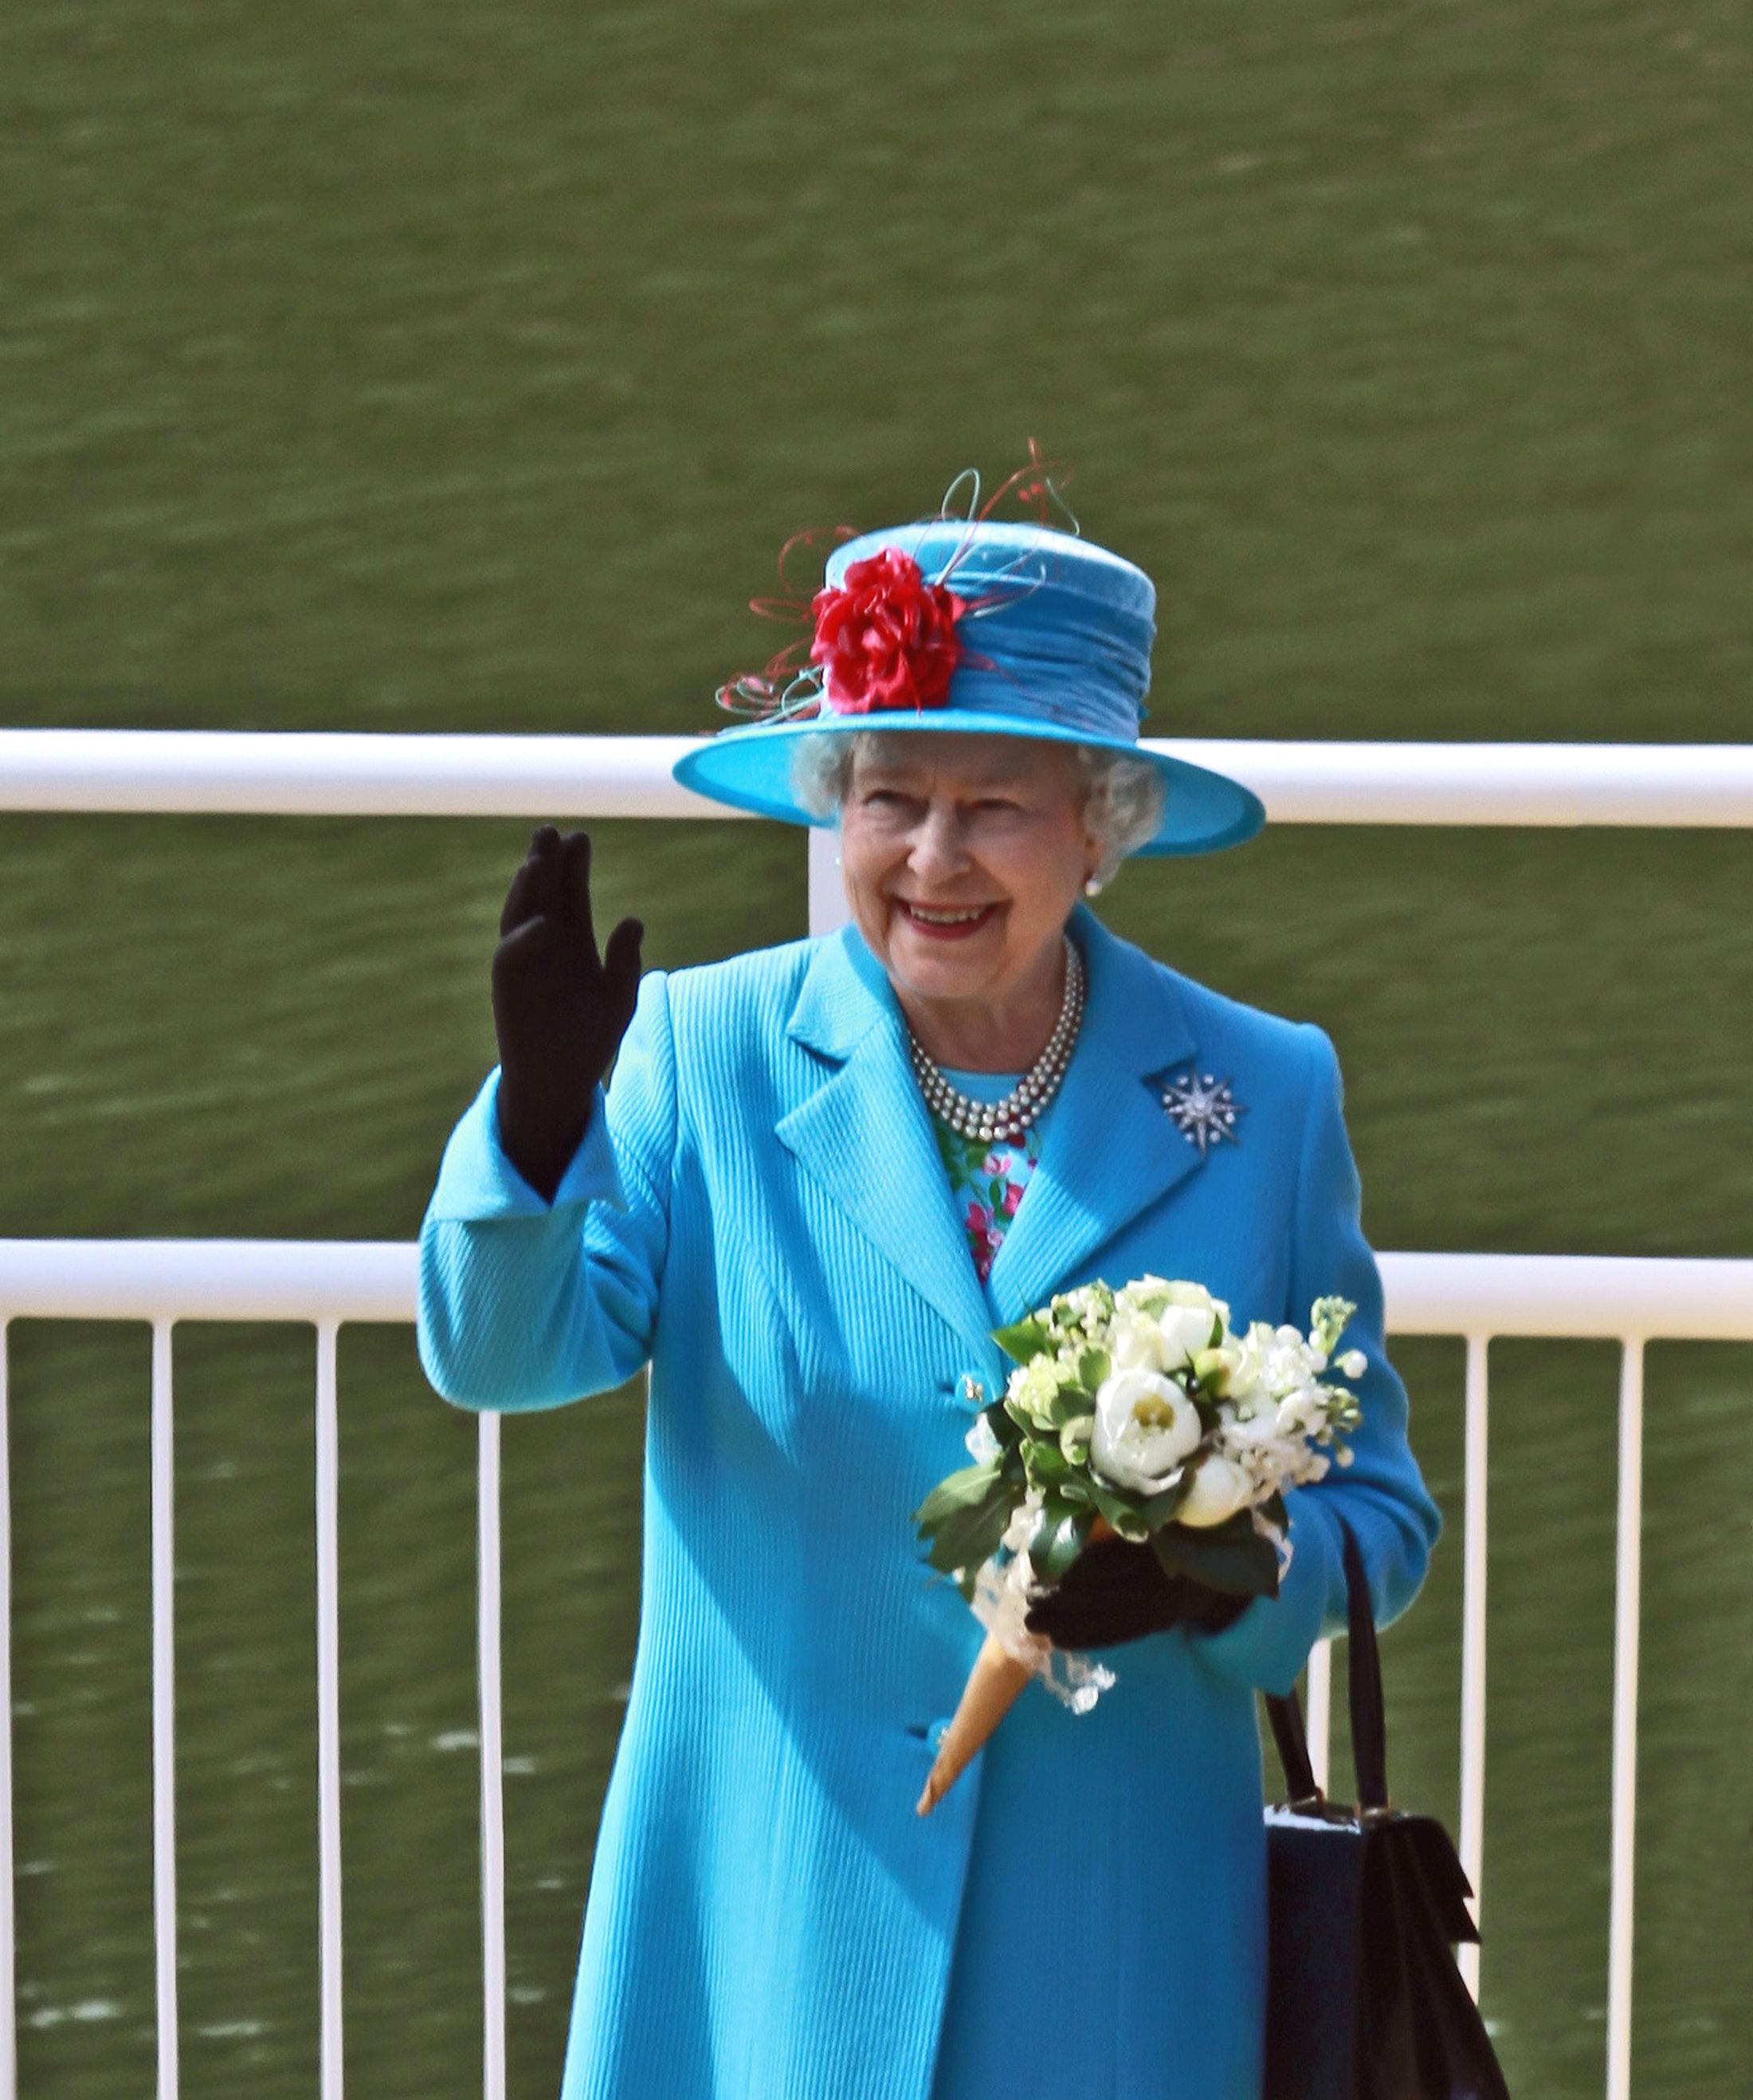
750, 769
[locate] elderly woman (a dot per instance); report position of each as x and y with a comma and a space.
822, 1174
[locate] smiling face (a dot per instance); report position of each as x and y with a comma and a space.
963, 857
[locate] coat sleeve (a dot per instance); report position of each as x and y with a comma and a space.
525, 1303
1381, 1494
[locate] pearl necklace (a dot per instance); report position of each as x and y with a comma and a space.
1011, 1117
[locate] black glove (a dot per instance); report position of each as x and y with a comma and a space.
559, 1012
1115, 1590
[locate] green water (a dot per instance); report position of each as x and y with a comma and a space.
441, 367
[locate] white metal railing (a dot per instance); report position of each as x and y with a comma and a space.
325, 1285
1481, 1297
161, 1282
340, 774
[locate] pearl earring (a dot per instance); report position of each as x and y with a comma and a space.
1092, 888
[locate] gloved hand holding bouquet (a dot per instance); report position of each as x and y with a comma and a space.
1138, 1414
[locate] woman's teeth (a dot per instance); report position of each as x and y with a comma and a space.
962, 918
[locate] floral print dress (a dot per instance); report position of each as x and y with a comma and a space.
986, 1178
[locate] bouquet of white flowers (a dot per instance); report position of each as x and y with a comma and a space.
1137, 1413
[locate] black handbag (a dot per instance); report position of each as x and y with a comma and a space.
1365, 1905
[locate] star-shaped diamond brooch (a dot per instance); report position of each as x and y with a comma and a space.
1202, 1108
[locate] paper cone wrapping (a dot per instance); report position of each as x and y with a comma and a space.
990, 1692
994, 1686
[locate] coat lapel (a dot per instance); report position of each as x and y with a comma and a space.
865, 1136
1108, 1149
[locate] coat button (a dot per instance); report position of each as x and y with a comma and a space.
934, 1735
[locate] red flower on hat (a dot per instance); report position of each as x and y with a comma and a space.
885, 638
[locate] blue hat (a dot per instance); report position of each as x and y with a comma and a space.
1054, 636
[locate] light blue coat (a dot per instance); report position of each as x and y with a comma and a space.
759, 1212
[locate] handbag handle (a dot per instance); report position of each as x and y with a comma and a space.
1369, 1732
1292, 1740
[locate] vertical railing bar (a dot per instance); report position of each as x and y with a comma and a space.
328, 1704
826, 897
1320, 1721
164, 1717
1474, 1561
492, 1769
1628, 1578
8, 1934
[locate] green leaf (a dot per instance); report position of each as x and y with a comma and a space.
1231, 1556
971, 1536
1328, 1318
998, 1419
1124, 1516
1071, 1403
958, 1491
1092, 1367
1058, 1538
1024, 1340
1047, 1464
1210, 1371
1161, 1509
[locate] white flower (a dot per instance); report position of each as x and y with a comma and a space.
1244, 1354
1185, 1330
982, 1442
1220, 1489
1239, 1366
1285, 1369
1016, 1532
1145, 1293
1250, 1425
1136, 1342
1353, 1364
1301, 1413
1197, 1298
1145, 1426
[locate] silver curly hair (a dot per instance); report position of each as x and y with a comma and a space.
1123, 796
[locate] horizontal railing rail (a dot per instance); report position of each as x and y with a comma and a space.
1548, 1296
340, 773
306, 1280
327, 1285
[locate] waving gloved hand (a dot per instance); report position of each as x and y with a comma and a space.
1116, 1590
559, 1010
